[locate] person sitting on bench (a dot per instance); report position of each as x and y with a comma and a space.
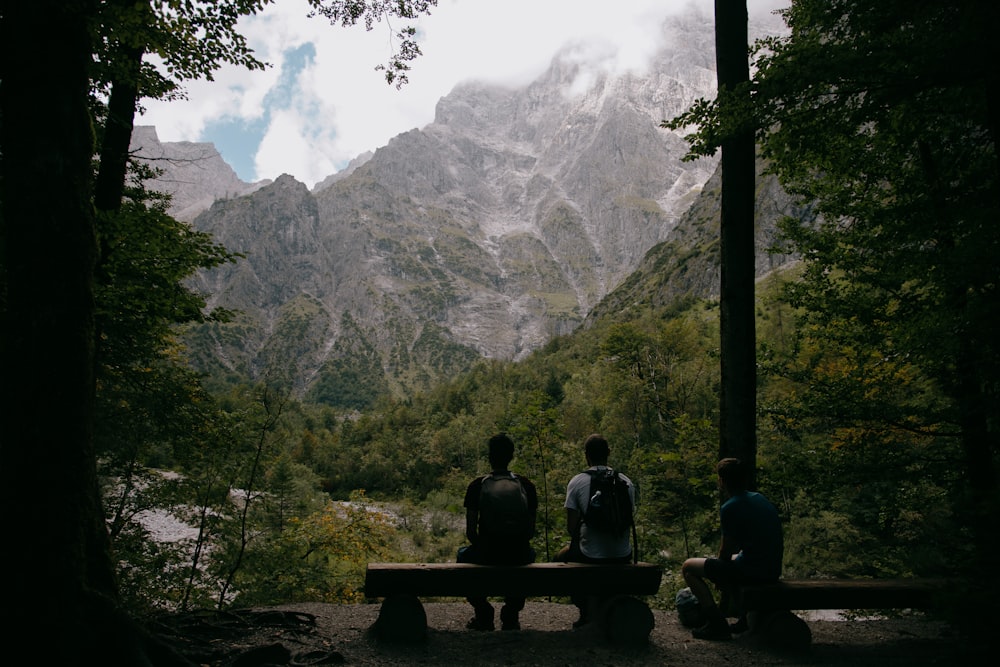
751, 550
500, 512
589, 543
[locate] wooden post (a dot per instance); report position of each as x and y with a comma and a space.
780, 630
627, 621
401, 620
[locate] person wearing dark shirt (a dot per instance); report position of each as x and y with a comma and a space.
751, 550
495, 539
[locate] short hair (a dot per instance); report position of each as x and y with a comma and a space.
501, 449
733, 473
597, 448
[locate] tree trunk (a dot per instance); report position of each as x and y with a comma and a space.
110, 182
60, 577
738, 396
48, 329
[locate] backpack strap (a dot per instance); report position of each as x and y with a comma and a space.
631, 521
635, 543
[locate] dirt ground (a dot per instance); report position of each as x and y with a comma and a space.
321, 634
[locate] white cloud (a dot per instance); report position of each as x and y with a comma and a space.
311, 117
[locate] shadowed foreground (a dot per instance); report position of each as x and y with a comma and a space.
318, 634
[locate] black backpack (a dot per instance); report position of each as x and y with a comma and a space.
610, 506
504, 514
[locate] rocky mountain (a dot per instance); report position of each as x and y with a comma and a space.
193, 173
687, 262
498, 226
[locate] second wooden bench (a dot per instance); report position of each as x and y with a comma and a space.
769, 606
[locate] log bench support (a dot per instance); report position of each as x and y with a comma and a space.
624, 618
769, 607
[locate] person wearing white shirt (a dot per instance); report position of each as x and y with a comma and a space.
588, 544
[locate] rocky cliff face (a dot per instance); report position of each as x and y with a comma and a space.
484, 234
687, 263
193, 173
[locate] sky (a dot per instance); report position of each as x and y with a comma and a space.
321, 102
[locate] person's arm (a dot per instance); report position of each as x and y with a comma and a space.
471, 503
726, 549
472, 525
573, 523
574, 516
730, 522
533, 504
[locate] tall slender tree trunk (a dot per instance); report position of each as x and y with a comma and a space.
738, 399
110, 182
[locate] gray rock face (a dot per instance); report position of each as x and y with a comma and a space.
484, 234
687, 262
193, 173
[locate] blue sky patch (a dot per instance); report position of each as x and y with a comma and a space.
238, 139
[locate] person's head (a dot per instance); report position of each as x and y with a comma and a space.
501, 451
732, 474
596, 449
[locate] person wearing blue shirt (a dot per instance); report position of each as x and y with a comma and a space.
751, 550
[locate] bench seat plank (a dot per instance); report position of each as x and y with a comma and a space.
534, 580
843, 594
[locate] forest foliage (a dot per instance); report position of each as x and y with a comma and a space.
290, 503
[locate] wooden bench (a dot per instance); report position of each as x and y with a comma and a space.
769, 607
624, 618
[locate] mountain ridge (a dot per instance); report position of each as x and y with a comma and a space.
499, 225
194, 174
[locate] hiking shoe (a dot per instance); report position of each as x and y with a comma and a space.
511, 625
477, 623
717, 630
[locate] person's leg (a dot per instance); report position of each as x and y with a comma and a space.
697, 572
483, 620
512, 607
572, 554
693, 571
731, 607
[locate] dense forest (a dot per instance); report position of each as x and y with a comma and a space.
877, 374
861, 494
